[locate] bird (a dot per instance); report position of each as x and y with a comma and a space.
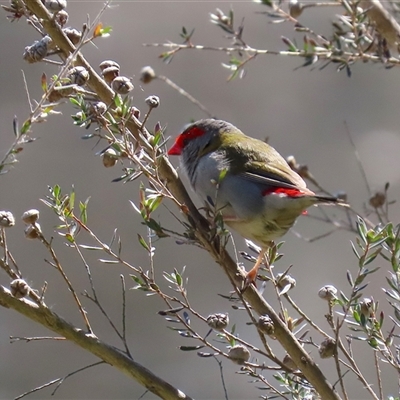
246, 180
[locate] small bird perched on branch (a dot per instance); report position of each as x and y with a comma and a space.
245, 179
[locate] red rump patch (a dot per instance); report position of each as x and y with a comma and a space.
280, 190
183, 138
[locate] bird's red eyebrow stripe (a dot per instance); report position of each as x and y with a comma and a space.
280, 190
194, 133
179, 144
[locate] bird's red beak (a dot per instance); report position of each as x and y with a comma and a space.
176, 149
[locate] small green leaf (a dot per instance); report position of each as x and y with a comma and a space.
137, 279
117, 101
363, 319
362, 229
74, 102
156, 227
178, 278
154, 203
356, 316
291, 46
56, 191
381, 319
143, 242
87, 247
25, 127
171, 311
83, 210
344, 297
71, 204
186, 317
349, 278
373, 343
88, 136
102, 260
355, 250
44, 82
265, 2
70, 238
105, 31
15, 126
191, 348
205, 355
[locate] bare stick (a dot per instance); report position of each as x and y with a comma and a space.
109, 354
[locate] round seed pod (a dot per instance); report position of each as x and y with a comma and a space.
78, 75
30, 216
122, 85
110, 73
108, 63
147, 74
19, 288
7, 219
218, 321
239, 354
55, 5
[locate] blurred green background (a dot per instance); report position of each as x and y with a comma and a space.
302, 111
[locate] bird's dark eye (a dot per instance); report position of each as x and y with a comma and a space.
207, 144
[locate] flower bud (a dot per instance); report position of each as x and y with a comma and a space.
367, 307
377, 200
121, 84
147, 74
288, 362
135, 112
62, 17
55, 5
218, 321
292, 163
265, 325
30, 216
58, 93
19, 288
98, 108
285, 282
239, 354
32, 231
73, 34
153, 101
327, 292
38, 50
295, 8
109, 63
302, 170
327, 348
110, 73
7, 220
78, 75
110, 157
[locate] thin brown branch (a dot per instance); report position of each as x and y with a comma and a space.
321, 54
34, 338
109, 354
185, 94
378, 374
60, 269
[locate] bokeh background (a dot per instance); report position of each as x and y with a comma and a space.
302, 111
